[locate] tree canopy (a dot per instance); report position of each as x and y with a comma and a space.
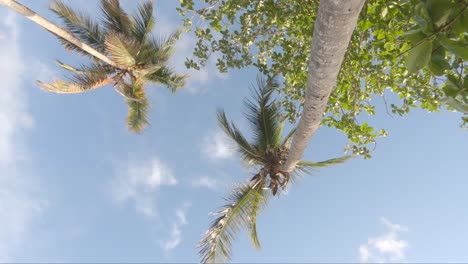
415, 49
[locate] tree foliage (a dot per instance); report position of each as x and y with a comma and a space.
415, 49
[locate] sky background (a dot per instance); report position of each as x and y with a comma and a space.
76, 186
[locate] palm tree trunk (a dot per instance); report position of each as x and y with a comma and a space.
46, 24
334, 25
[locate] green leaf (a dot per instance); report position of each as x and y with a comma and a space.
461, 24
439, 11
457, 105
422, 17
457, 48
419, 56
450, 90
438, 63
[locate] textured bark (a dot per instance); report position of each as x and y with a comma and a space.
334, 25
46, 24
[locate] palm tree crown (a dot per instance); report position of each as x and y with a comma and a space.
127, 40
267, 153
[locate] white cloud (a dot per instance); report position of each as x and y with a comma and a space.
217, 146
175, 237
20, 205
387, 247
206, 182
140, 183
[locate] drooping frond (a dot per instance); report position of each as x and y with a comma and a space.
83, 79
138, 105
143, 21
121, 49
263, 115
304, 165
80, 25
167, 77
115, 18
243, 205
247, 151
257, 205
87, 83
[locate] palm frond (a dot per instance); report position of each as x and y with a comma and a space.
138, 105
304, 165
263, 115
115, 18
243, 204
257, 205
247, 151
69, 67
166, 77
121, 49
286, 140
143, 21
159, 50
80, 25
94, 68
86, 84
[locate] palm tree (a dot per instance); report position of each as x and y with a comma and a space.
134, 56
267, 153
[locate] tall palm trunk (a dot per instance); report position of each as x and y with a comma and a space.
334, 25
46, 24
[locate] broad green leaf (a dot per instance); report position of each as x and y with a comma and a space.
454, 81
461, 24
438, 63
450, 90
422, 17
457, 48
439, 11
419, 56
457, 105
414, 36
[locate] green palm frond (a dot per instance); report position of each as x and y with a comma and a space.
168, 77
69, 67
257, 205
159, 50
143, 21
243, 205
115, 18
304, 165
263, 115
121, 49
138, 105
247, 151
80, 25
287, 138
94, 68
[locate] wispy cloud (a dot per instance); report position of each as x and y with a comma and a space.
206, 182
20, 204
217, 146
387, 247
140, 183
175, 237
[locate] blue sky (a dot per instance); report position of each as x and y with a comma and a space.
75, 186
